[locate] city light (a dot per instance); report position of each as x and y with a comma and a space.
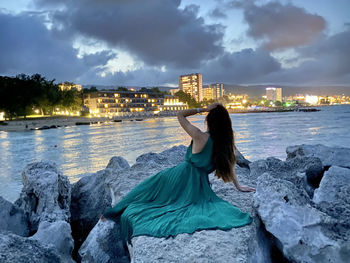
311, 99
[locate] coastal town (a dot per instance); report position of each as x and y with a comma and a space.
130, 102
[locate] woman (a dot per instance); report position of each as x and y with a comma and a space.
179, 199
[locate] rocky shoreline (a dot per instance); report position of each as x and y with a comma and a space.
301, 212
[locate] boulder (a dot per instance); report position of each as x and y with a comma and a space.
58, 234
328, 155
13, 219
117, 163
45, 194
304, 172
90, 197
103, 244
14, 248
45, 198
303, 232
241, 161
333, 195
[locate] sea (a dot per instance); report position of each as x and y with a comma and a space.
83, 150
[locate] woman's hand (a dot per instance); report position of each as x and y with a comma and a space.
213, 106
245, 188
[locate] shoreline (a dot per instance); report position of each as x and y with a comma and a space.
52, 122
45, 123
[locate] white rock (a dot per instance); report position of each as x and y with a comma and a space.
329, 155
57, 234
103, 244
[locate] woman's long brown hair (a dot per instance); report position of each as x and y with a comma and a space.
220, 129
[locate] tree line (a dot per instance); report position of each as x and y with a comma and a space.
22, 95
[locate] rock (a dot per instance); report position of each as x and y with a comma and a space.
333, 195
14, 248
57, 234
241, 161
45, 194
90, 197
328, 155
103, 244
304, 172
13, 219
169, 157
117, 163
304, 233
45, 198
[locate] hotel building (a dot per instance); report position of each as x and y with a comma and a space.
208, 93
120, 103
213, 91
172, 103
192, 84
274, 94
69, 86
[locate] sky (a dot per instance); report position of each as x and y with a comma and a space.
153, 42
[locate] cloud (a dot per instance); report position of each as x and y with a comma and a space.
157, 33
27, 46
280, 26
328, 62
217, 13
245, 66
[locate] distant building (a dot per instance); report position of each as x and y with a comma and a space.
172, 103
218, 90
192, 84
274, 94
213, 91
120, 103
69, 86
173, 91
208, 93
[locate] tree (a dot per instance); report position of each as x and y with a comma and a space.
90, 90
278, 103
186, 98
122, 89
21, 94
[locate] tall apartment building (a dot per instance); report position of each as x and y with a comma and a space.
274, 94
218, 90
208, 93
213, 91
192, 84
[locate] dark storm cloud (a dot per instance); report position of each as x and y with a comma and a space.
156, 31
27, 46
328, 62
245, 66
280, 26
217, 13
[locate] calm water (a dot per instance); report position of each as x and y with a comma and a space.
86, 149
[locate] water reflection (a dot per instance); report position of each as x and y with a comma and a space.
82, 150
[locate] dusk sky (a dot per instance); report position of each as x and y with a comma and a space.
148, 43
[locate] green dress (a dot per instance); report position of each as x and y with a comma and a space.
176, 200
